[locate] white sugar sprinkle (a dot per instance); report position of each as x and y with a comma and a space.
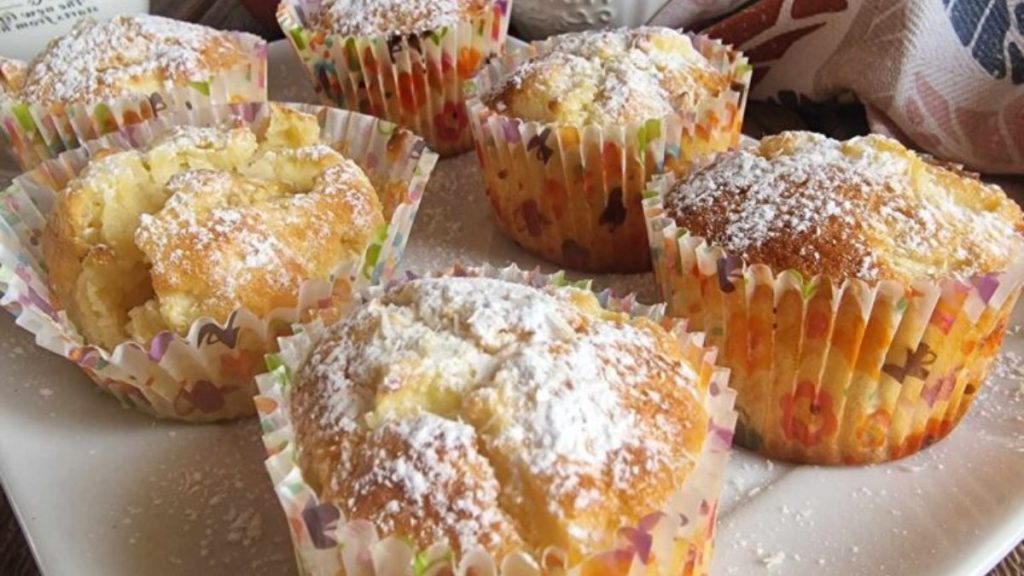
562, 381
608, 77
856, 206
103, 60
773, 561
392, 17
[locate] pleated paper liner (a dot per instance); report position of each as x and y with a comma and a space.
573, 196
677, 539
833, 372
207, 374
36, 133
415, 81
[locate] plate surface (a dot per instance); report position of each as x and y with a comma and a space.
102, 490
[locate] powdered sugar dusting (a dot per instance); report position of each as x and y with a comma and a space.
548, 387
337, 182
865, 208
205, 137
393, 17
217, 218
452, 328
426, 477
128, 54
569, 417
608, 77
179, 231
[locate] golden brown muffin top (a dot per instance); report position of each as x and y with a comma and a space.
490, 413
393, 17
203, 221
128, 55
609, 77
12, 77
227, 240
865, 208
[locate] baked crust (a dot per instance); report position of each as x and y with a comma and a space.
522, 418
866, 208
128, 55
393, 17
202, 222
608, 78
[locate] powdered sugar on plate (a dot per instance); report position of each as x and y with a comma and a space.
213, 503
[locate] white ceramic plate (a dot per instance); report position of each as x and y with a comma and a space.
102, 490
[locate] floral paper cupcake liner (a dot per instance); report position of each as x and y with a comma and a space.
677, 540
208, 374
36, 133
834, 372
573, 196
415, 81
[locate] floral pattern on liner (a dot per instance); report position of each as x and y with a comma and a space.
676, 540
36, 133
831, 373
208, 374
415, 81
573, 196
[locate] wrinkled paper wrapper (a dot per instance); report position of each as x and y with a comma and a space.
415, 80
832, 372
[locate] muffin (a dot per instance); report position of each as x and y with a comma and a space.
858, 292
203, 222
167, 259
569, 131
399, 60
101, 76
499, 414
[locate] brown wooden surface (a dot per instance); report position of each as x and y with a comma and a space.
842, 122
15, 557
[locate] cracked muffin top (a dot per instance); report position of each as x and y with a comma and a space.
485, 413
204, 221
